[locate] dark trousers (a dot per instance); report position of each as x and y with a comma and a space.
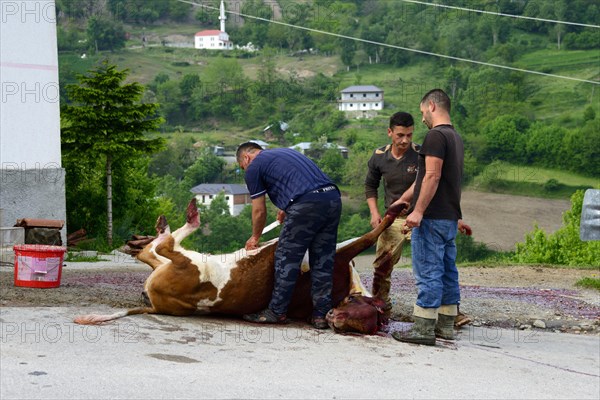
310, 224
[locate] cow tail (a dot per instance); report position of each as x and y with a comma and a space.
96, 319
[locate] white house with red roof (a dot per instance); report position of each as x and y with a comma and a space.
212, 39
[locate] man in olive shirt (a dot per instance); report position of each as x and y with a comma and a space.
397, 164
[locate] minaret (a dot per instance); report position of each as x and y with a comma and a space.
222, 16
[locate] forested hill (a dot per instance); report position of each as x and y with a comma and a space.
498, 110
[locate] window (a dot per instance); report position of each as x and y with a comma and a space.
364, 95
376, 94
376, 104
227, 198
364, 104
210, 197
351, 95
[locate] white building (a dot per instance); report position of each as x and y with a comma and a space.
361, 101
213, 39
237, 196
32, 178
305, 148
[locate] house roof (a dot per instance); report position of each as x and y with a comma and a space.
261, 143
361, 89
216, 188
306, 146
209, 32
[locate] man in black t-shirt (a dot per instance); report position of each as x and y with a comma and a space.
435, 219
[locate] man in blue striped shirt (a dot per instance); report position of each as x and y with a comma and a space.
310, 207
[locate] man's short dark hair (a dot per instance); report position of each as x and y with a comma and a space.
401, 119
438, 97
245, 147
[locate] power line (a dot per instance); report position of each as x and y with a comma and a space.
502, 14
394, 46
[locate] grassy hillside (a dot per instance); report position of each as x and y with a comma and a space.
561, 98
502, 177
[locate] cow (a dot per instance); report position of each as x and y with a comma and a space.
357, 313
185, 282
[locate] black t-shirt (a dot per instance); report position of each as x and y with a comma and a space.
443, 142
398, 174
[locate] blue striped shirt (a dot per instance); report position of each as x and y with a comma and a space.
283, 174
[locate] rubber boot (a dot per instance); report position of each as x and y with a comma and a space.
444, 328
422, 331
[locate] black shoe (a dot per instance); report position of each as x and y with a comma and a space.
266, 316
319, 323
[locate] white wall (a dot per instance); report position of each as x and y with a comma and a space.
31, 176
29, 98
361, 101
212, 43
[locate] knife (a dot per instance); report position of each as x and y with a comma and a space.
270, 227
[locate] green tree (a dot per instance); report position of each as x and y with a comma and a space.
581, 150
560, 12
545, 143
206, 169
506, 138
188, 83
168, 95
355, 168
178, 156
105, 34
107, 122
347, 48
332, 163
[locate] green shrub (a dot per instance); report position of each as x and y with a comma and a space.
551, 185
591, 283
468, 250
562, 247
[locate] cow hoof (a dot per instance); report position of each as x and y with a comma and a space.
161, 224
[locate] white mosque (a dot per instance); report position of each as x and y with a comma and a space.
213, 39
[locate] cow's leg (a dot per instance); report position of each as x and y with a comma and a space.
192, 223
148, 255
355, 247
175, 289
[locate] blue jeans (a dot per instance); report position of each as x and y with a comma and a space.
434, 263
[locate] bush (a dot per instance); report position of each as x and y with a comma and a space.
591, 283
551, 185
469, 250
562, 247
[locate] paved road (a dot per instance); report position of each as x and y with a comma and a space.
44, 356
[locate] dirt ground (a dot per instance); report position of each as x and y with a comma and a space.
513, 296
509, 297
500, 220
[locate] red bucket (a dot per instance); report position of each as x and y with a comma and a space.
38, 266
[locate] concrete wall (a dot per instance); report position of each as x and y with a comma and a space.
31, 175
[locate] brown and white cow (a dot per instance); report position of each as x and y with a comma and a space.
185, 282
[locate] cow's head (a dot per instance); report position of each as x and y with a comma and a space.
357, 313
